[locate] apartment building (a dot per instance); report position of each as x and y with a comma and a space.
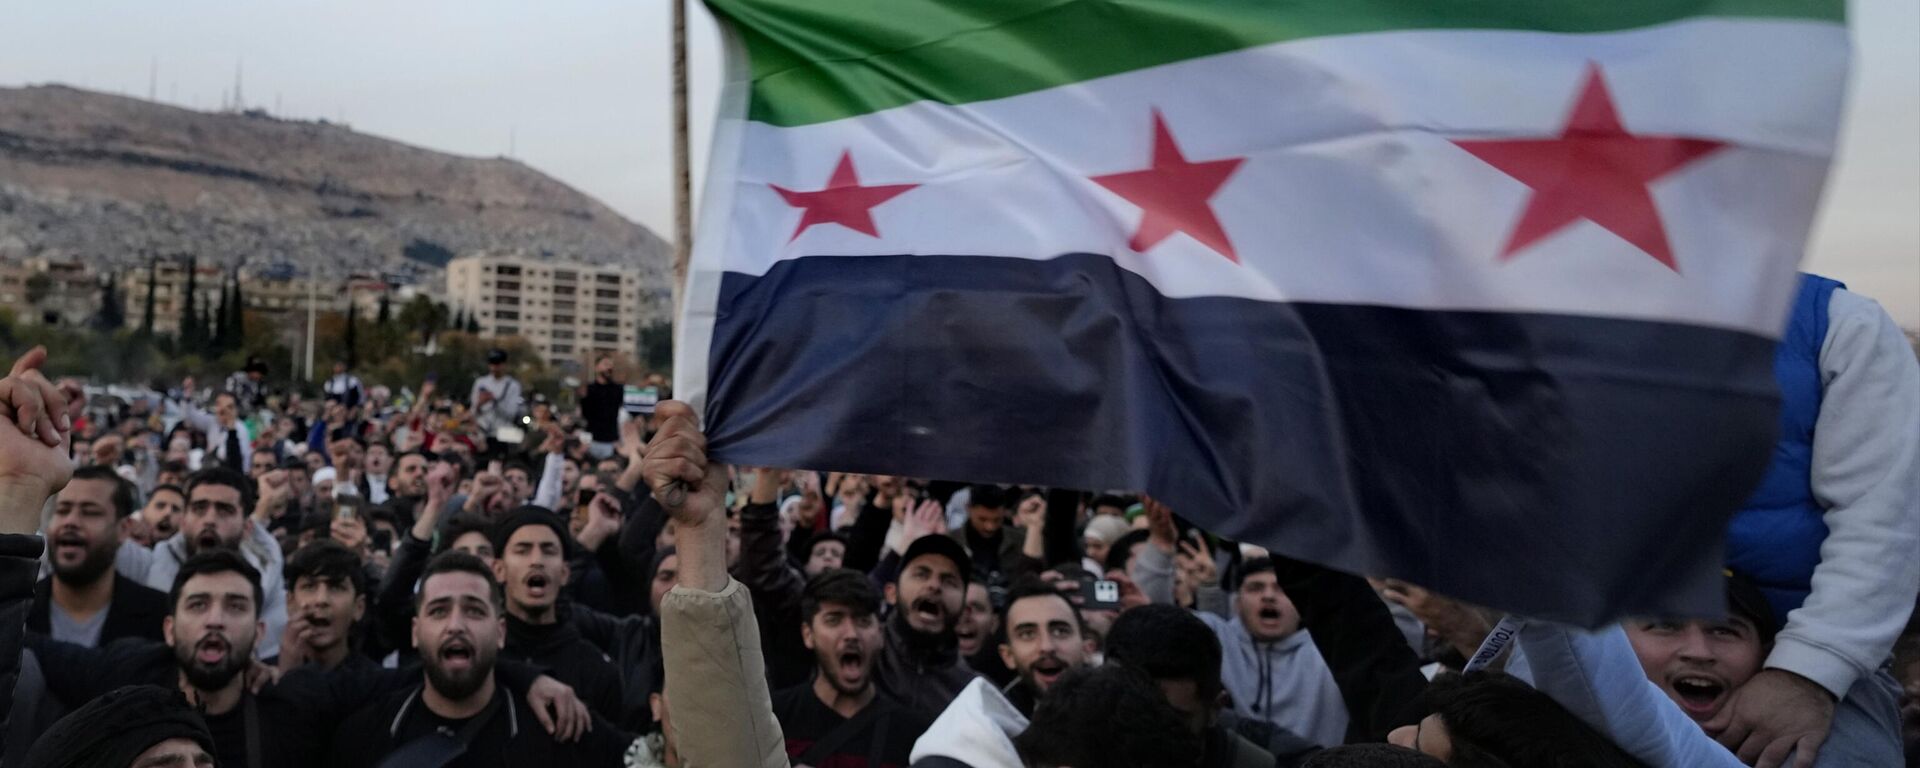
53, 291
570, 312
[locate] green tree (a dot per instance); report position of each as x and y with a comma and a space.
656, 347
473, 324
111, 315
221, 340
237, 319
190, 330
386, 312
146, 316
352, 343
423, 316
39, 286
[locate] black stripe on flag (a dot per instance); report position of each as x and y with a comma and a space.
1564, 467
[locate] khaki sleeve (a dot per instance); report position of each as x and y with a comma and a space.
716, 680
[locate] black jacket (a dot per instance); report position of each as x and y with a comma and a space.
136, 610
510, 737
296, 716
776, 586
634, 644
560, 649
19, 566
924, 673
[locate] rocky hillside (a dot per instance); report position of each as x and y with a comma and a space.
109, 179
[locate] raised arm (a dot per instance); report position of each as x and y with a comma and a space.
34, 465
1378, 674
716, 682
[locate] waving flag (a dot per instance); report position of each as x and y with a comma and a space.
1482, 295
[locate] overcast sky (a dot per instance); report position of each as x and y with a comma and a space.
579, 89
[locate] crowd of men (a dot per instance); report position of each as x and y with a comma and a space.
238, 578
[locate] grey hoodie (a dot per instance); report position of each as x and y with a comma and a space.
1284, 682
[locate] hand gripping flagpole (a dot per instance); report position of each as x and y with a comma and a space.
675, 492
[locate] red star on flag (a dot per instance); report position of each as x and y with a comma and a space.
1173, 195
843, 202
1595, 170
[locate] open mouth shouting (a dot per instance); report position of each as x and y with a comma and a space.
927, 615
969, 636
212, 650
1700, 695
207, 540
456, 655
851, 665
69, 545
539, 585
1046, 670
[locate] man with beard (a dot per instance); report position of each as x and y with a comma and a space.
1045, 640
86, 601
530, 560
327, 592
219, 501
409, 479
462, 717
841, 717
159, 519
921, 666
209, 637
208, 654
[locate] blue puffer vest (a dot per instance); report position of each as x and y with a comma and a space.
1775, 539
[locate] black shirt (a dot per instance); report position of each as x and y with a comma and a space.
509, 738
886, 738
230, 737
559, 649
601, 407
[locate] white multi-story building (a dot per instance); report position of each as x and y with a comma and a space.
569, 312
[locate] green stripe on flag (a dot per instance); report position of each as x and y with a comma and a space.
821, 60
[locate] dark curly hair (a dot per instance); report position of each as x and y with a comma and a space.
1495, 721
1113, 717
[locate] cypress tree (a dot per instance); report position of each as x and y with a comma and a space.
111, 315
190, 330
220, 340
146, 316
237, 322
353, 354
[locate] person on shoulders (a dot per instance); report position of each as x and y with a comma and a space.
1829, 538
